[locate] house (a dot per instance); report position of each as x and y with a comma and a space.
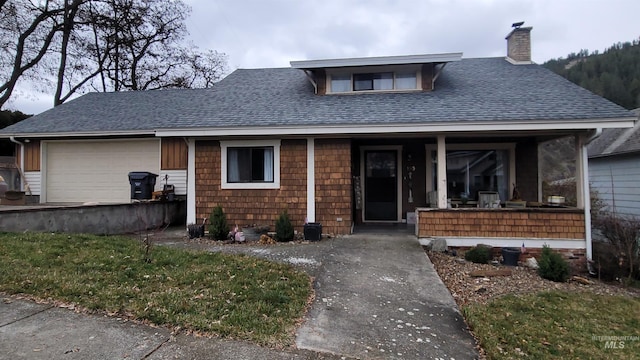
341, 142
614, 169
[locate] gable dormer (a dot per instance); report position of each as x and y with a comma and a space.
375, 74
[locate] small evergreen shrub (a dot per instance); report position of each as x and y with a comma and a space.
552, 266
218, 227
284, 228
478, 254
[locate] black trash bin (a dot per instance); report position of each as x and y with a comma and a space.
142, 184
510, 256
313, 231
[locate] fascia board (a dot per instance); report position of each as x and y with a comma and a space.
435, 127
23, 135
382, 60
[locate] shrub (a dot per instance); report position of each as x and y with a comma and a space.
478, 254
552, 266
623, 235
218, 227
284, 228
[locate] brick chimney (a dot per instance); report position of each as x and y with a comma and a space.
519, 45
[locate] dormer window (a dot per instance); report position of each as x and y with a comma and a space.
405, 73
374, 81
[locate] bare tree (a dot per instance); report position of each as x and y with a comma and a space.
27, 30
100, 45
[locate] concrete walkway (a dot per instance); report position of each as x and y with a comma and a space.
377, 297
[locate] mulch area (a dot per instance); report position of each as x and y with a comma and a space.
455, 272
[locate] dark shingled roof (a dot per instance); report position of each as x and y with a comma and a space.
487, 89
617, 141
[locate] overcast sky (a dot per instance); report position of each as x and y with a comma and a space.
270, 33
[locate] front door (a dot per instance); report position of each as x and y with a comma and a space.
381, 185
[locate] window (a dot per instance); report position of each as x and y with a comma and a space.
379, 81
250, 164
406, 81
474, 168
472, 171
341, 83
373, 81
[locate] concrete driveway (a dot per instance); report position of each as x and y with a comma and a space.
377, 297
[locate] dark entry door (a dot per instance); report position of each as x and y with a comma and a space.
381, 185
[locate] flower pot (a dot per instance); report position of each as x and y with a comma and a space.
510, 256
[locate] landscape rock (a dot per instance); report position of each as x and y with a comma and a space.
532, 263
438, 245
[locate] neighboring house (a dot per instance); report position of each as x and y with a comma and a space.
341, 142
614, 169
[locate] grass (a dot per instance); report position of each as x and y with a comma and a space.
557, 325
229, 295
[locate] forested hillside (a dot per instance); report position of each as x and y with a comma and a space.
613, 74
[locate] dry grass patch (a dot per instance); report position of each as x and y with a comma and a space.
228, 295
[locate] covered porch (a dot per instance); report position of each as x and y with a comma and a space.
470, 189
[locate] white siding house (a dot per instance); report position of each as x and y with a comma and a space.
614, 169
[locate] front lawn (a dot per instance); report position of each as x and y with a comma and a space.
229, 295
556, 324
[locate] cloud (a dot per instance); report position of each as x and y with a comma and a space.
257, 33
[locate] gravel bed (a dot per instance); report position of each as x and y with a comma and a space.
455, 273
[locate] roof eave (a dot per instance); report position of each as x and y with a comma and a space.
381, 60
432, 127
79, 134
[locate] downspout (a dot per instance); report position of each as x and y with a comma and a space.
587, 193
13, 140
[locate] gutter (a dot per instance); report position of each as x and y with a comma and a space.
595, 134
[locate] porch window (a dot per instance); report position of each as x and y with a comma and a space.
474, 170
247, 166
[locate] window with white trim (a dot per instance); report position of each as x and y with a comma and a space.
250, 164
374, 81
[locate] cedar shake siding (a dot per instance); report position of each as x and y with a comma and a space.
507, 223
253, 206
333, 185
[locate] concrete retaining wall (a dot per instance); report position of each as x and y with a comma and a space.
94, 219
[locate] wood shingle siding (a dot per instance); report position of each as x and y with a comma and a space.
512, 223
253, 206
333, 185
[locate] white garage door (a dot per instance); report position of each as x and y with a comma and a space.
97, 171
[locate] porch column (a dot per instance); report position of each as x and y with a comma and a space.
191, 181
442, 172
311, 180
583, 197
